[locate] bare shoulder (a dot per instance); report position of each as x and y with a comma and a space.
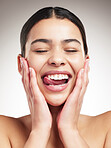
96, 127
13, 132
104, 119
101, 119
8, 124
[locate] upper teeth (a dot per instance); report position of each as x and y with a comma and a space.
58, 76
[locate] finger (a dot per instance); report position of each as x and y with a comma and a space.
38, 100
37, 95
25, 80
71, 105
84, 82
23, 69
73, 98
25, 74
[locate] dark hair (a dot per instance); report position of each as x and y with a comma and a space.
48, 12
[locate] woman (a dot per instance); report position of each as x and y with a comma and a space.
54, 65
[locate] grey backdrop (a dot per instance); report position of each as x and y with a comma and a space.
96, 16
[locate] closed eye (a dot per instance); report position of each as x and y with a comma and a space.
40, 51
71, 50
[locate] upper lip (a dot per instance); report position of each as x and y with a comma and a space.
57, 72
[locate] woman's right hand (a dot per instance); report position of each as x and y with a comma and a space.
40, 113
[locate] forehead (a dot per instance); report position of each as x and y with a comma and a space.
54, 28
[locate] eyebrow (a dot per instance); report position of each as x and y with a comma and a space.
71, 40
49, 41
41, 40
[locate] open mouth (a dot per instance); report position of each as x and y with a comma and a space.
56, 81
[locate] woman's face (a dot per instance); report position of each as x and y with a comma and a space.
55, 50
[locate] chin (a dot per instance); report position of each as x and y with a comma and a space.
56, 100
55, 103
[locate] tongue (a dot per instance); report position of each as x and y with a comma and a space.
49, 81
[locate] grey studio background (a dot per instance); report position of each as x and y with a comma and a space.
96, 17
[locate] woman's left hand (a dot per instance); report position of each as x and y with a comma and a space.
68, 117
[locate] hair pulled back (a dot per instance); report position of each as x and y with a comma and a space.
49, 12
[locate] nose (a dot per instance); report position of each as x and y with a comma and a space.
57, 59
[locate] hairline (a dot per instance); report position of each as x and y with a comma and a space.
54, 14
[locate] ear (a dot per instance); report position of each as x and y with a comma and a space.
19, 63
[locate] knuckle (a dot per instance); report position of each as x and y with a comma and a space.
35, 100
34, 96
25, 81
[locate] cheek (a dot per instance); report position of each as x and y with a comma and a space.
77, 63
35, 62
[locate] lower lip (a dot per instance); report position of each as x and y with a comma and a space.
56, 88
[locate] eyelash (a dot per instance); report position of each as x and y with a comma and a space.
71, 50
41, 51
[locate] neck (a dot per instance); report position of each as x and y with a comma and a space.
54, 139
55, 110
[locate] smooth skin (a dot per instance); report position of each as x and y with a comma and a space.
55, 121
